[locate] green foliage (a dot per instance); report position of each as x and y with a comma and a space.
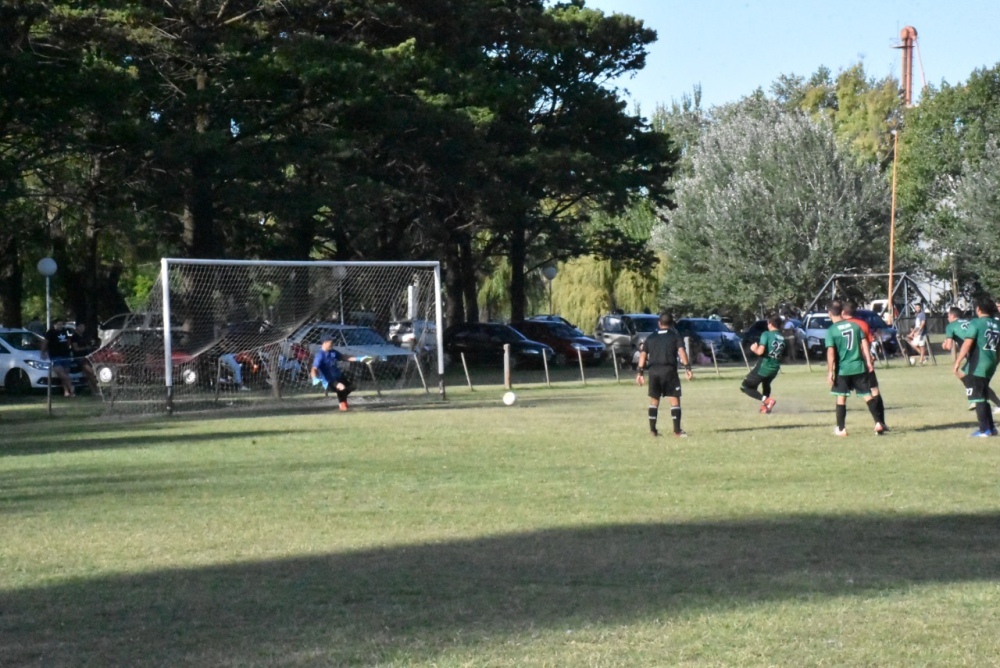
861, 109
773, 207
944, 141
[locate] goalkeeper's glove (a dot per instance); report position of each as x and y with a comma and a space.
366, 359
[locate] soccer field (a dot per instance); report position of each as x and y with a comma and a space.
554, 532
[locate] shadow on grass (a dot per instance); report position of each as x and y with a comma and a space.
410, 603
766, 427
969, 425
48, 443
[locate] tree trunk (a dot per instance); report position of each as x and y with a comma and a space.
518, 258
454, 308
11, 281
468, 279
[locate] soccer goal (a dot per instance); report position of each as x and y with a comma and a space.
243, 333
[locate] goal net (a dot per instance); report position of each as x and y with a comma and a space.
243, 333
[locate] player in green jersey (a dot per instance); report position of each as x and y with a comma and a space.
955, 334
980, 347
770, 349
848, 363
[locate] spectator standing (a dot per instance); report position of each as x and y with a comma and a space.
82, 344
56, 348
918, 334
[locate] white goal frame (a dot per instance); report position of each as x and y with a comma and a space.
166, 263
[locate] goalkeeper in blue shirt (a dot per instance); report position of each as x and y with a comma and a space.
326, 372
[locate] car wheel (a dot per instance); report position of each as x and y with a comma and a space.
561, 359
105, 375
17, 382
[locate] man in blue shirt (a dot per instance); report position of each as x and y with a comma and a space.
326, 372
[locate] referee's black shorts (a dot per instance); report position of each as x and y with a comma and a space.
663, 382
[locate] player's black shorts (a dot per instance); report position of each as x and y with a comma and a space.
843, 385
664, 382
754, 378
978, 388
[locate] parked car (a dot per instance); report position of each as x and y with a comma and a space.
883, 332
815, 326
419, 335
557, 318
110, 328
352, 341
566, 341
136, 356
483, 342
712, 334
21, 365
623, 333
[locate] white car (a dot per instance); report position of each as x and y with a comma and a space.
22, 368
354, 341
418, 335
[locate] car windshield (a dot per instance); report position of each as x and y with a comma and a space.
507, 334
22, 340
709, 326
362, 337
818, 322
648, 324
562, 331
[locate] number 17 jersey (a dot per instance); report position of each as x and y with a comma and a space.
983, 358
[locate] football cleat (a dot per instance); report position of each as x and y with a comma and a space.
840, 432
981, 434
879, 429
343, 406
654, 433
681, 434
769, 405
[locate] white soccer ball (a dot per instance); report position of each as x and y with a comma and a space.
509, 398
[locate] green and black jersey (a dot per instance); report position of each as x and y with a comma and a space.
774, 349
983, 357
845, 336
957, 332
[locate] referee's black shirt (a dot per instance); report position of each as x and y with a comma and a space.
661, 348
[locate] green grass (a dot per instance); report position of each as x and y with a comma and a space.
551, 533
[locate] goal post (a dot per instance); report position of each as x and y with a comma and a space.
244, 332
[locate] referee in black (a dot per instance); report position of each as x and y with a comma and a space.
658, 354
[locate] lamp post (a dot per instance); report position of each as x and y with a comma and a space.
550, 274
47, 267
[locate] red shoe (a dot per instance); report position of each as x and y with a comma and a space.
769, 405
763, 409
343, 406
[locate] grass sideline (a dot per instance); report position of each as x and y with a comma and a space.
553, 532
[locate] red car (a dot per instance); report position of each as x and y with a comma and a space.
568, 343
136, 355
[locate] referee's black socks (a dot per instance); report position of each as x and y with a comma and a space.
653, 411
675, 415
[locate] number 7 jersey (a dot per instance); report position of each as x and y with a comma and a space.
983, 357
846, 337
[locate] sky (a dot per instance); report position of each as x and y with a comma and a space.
732, 47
